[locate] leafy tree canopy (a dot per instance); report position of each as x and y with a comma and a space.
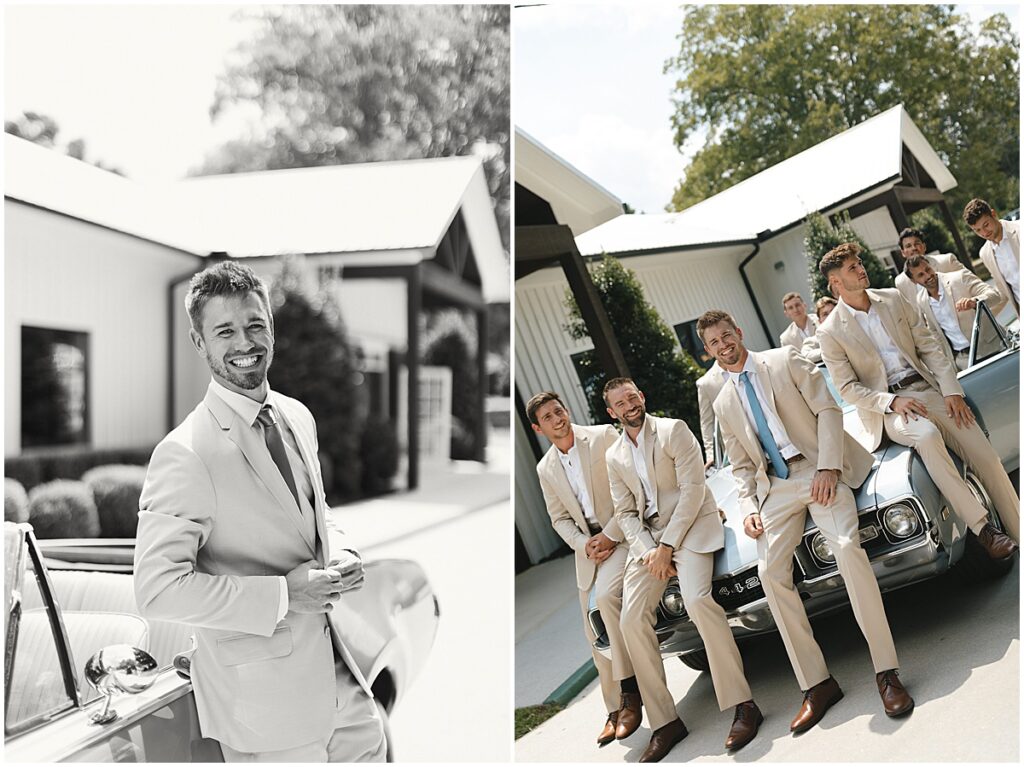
337, 84
42, 129
764, 82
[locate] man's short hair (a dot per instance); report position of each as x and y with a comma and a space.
836, 257
975, 209
714, 316
910, 232
539, 400
913, 262
615, 383
824, 301
790, 296
227, 278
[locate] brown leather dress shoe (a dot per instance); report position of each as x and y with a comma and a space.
745, 722
662, 741
817, 701
996, 544
630, 715
608, 733
895, 698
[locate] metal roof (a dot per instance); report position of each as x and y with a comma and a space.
862, 160
357, 208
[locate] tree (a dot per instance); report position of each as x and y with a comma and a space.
42, 129
764, 82
820, 237
341, 84
662, 370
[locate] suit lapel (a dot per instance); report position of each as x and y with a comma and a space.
898, 332
310, 461
650, 436
583, 449
740, 424
852, 329
556, 470
765, 379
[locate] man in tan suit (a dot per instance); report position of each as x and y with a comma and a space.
1001, 251
803, 325
912, 244
947, 303
672, 524
783, 433
885, 362
234, 540
708, 386
574, 479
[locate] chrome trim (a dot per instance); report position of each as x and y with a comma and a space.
917, 508
883, 558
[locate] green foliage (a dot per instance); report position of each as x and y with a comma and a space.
63, 509
529, 717
15, 501
337, 84
116, 489
42, 129
820, 237
662, 370
936, 234
450, 341
764, 82
315, 363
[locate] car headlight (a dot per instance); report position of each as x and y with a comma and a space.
900, 520
821, 548
672, 600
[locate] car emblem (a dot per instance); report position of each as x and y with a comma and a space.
753, 583
739, 588
724, 591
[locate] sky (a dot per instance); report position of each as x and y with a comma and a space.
587, 83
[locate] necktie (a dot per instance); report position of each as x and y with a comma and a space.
763, 432
275, 443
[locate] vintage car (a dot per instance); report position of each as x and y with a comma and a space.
69, 615
906, 525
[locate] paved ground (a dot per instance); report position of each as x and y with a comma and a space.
960, 651
458, 526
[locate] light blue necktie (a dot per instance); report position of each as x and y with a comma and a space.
763, 432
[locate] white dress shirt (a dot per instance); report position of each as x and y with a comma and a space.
1008, 265
896, 366
574, 473
782, 441
945, 314
641, 469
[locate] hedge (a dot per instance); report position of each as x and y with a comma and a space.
15, 501
63, 509
116, 489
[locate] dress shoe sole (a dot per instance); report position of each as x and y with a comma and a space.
741, 744
808, 725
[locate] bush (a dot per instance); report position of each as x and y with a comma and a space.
450, 342
116, 489
15, 501
63, 509
379, 445
68, 462
820, 237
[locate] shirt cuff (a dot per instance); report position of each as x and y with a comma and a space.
282, 604
888, 406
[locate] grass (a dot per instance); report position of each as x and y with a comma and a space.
529, 717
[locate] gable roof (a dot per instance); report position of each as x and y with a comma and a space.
859, 162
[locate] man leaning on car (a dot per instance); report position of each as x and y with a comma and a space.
783, 434
574, 479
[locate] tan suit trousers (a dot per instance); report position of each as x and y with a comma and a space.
642, 593
930, 436
608, 595
783, 516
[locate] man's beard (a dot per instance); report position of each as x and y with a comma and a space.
247, 380
635, 423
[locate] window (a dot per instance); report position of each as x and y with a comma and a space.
988, 337
686, 332
54, 387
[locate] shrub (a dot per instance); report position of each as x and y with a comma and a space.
450, 342
820, 237
15, 501
68, 462
63, 509
116, 489
379, 446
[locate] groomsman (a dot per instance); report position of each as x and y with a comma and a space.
884, 361
1001, 251
708, 386
783, 433
673, 526
912, 244
803, 325
574, 479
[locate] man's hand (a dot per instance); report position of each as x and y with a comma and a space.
909, 408
964, 304
958, 409
311, 590
659, 562
599, 544
709, 463
823, 486
349, 566
752, 526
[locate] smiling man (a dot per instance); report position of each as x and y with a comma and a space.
802, 325
234, 540
1001, 251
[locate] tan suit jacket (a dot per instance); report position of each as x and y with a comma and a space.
955, 286
708, 386
856, 367
792, 336
687, 512
811, 417
1011, 231
941, 262
565, 511
217, 527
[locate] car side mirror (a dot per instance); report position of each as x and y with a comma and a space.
119, 669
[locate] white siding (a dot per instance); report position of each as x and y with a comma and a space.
70, 275
772, 281
532, 520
